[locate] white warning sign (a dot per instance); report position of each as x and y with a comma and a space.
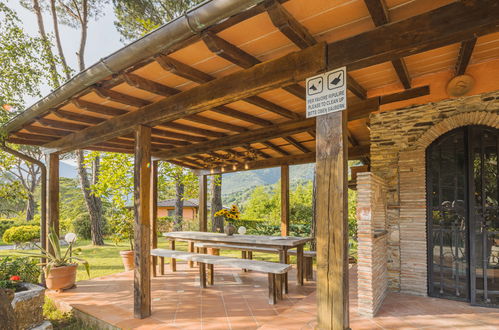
327, 92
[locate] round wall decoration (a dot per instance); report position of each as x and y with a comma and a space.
460, 85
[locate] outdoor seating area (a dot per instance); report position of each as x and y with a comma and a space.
393, 105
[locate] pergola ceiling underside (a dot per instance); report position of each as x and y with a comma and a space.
237, 47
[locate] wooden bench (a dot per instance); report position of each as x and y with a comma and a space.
247, 253
275, 271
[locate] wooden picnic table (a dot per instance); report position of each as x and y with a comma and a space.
281, 243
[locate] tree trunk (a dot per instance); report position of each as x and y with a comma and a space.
179, 205
93, 203
58, 42
313, 224
217, 223
46, 43
30, 207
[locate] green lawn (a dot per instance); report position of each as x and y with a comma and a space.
105, 260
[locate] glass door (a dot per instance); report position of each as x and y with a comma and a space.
484, 216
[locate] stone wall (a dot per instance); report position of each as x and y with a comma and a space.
372, 257
398, 142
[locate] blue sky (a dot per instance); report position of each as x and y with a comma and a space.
103, 38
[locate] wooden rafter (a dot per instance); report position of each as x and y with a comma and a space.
148, 85
464, 57
115, 96
97, 108
275, 148
380, 16
254, 136
302, 38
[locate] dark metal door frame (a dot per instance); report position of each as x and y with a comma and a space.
471, 222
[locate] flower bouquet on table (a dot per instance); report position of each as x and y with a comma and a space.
229, 215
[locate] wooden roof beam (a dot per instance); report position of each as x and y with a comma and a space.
47, 131
200, 77
305, 158
302, 38
216, 123
464, 57
97, 108
276, 148
296, 144
115, 96
193, 129
176, 135
455, 22
380, 16
254, 136
235, 55
148, 85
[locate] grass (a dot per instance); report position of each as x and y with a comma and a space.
106, 260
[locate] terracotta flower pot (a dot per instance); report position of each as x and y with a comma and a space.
60, 278
127, 257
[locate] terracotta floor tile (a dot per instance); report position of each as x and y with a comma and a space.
239, 301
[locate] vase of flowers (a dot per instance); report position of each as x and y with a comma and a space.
229, 215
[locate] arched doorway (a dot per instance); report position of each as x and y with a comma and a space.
463, 215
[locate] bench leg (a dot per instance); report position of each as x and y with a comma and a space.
279, 285
202, 274
211, 275
283, 258
173, 261
162, 265
244, 255
272, 289
191, 249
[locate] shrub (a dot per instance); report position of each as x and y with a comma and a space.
21, 234
25, 268
81, 226
301, 230
165, 225
122, 228
9, 223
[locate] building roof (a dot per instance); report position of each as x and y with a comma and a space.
171, 203
223, 86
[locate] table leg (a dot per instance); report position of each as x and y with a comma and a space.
211, 274
173, 261
299, 264
283, 258
162, 265
154, 263
244, 256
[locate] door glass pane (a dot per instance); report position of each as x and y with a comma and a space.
447, 212
485, 214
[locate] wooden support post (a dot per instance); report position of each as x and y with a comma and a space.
142, 228
332, 224
203, 204
154, 214
211, 274
52, 195
284, 200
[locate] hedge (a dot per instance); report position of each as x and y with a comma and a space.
21, 234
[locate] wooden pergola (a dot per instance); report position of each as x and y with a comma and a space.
221, 89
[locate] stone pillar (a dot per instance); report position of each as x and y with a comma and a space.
372, 243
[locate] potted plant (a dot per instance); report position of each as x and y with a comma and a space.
229, 215
18, 280
123, 231
60, 266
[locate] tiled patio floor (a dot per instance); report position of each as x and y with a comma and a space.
239, 301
